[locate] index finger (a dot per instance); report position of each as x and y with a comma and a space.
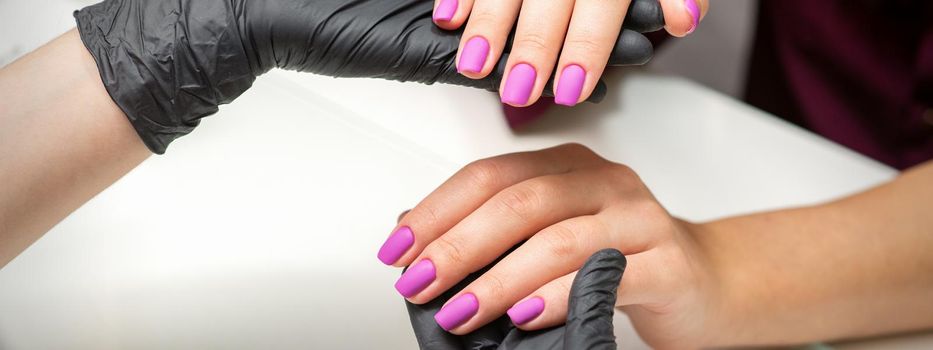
468, 189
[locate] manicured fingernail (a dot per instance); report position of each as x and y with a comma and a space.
694, 11
396, 245
445, 11
526, 311
473, 56
457, 312
570, 85
519, 84
416, 278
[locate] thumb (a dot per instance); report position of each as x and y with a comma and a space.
592, 298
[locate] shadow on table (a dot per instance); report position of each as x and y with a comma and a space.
548, 118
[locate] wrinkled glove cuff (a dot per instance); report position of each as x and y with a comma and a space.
166, 64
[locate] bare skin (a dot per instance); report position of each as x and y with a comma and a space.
855, 267
62, 140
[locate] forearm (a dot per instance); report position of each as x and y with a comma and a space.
62, 140
856, 267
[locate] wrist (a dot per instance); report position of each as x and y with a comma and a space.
770, 268
723, 313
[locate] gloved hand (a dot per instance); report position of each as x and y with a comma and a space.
589, 317
168, 63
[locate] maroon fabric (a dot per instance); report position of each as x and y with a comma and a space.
859, 72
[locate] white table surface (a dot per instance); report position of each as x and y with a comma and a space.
260, 229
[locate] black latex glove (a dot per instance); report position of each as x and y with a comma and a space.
169, 63
589, 318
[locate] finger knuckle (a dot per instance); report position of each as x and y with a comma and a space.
484, 173
485, 18
449, 250
578, 151
422, 216
563, 241
533, 42
650, 210
585, 44
494, 286
622, 174
576, 148
522, 201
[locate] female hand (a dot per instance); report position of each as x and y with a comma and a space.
582, 33
560, 205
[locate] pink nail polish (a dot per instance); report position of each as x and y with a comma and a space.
526, 311
416, 278
473, 56
445, 10
694, 11
457, 312
570, 85
396, 245
519, 84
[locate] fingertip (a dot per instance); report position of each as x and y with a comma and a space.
681, 17
445, 10
569, 88
519, 85
526, 310
396, 246
448, 25
455, 314
473, 58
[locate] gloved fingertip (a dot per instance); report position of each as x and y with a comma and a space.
644, 16
599, 92
592, 302
632, 48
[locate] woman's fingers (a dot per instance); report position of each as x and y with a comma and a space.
485, 36
450, 14
510, 217
556, 251
627, 221
592, 35
541, 29
468, 189
681, 17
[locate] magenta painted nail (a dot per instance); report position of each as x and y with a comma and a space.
694, 12
519, 84
416, 278
526, 311
396, 245
445, 10
473, 56
457, 312
570, 85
